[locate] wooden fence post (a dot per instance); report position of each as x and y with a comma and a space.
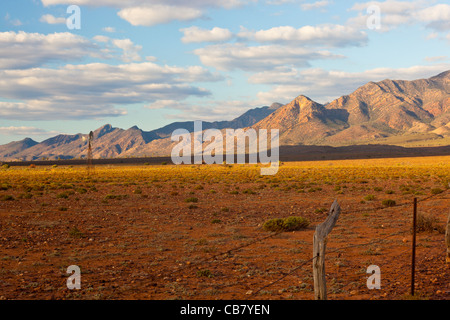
319, 246
447, 239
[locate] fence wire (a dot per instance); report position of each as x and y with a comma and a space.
293, 270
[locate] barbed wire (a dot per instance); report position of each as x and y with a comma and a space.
227, 252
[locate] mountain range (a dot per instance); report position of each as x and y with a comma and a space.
391, 112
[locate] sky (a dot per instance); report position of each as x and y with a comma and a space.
71, 66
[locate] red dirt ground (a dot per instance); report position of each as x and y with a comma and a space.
152, 245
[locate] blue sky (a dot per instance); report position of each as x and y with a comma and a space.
152, 62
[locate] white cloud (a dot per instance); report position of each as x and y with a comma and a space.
396, 13
14, 22
26, 131
50, 19
437, 17
158, 14
436, 58
315, 5
130, 50
94, 90
280, 2
324, 86
109, 29
254, 58
196, 34
153, 12
27, 50
133, 3
325, 35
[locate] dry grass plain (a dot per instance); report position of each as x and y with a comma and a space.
162, 232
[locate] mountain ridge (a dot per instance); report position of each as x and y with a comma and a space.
388, 111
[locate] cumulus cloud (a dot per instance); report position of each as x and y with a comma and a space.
395, 13
26, 131
153, 12
130, 50
134, 3
324, 86
253, 58
50, 19
158, 14
196, 34
316, 5
94, 90
323, 35
26, 50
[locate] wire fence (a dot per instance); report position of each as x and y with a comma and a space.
308, 261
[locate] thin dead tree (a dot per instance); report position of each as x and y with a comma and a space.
319, 246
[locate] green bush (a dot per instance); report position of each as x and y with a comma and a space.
436, 190
388, 203
204, 273
286, 224
7, 197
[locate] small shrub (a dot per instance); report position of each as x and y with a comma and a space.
204, 273
192, 199
249, 191
81, 190
5, 166
74, 232
63, 195
286, 224
369, 197
427, 223
436, 190
7, 197
388, 203
4, 186
116, 196
25, 195
216, 221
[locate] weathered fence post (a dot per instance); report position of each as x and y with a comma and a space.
413, 255
447, 239
319, 246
